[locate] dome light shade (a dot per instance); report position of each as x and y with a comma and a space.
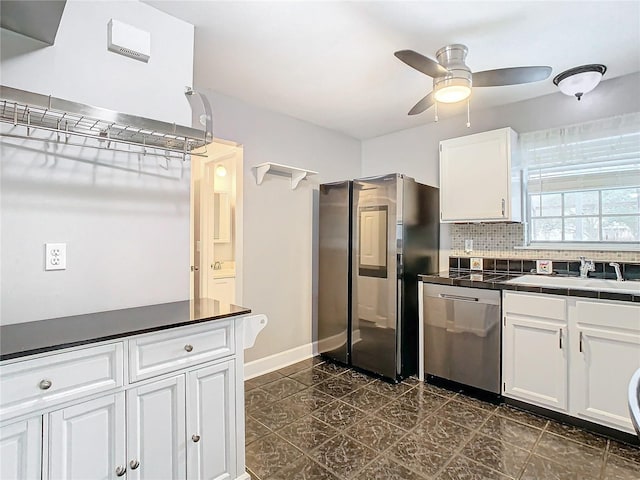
452, 88
221, 171
580, 80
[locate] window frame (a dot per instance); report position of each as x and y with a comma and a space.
563, 243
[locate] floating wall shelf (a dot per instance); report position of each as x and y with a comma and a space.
295, 173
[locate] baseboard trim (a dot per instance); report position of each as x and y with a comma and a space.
276, 361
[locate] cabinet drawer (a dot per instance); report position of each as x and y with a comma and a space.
159, 353
41, 382
530, 304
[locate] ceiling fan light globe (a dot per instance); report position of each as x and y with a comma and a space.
580, 83
452, 94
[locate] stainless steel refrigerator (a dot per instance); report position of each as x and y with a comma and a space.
375, 236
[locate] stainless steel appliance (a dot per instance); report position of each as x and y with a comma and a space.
462, 335
375, 236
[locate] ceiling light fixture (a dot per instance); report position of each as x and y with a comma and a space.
580, 80
455, 86
452, 90
221, 171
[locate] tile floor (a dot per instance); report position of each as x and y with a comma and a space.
317, 420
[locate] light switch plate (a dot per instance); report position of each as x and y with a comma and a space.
55, 256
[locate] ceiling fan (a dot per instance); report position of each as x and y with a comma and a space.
452, 79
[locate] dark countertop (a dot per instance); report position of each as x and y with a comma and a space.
496, 281
22, 339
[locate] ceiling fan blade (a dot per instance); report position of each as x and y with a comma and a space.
421, 63
422, 105
510, 76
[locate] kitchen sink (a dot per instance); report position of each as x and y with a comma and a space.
578, 283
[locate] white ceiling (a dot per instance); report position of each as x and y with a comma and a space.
332, 63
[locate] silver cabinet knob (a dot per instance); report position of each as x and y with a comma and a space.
188, 347
195, 438
120, 470
45, 384
134, 464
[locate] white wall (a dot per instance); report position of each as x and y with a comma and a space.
415, 151
79, 67
125, 219
280, 240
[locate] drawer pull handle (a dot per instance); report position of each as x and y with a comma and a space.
120, 470
134, 464
188, 347
45, 384
195, 438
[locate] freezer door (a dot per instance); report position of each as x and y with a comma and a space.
334, 269
375, 275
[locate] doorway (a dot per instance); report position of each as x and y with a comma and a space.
216, 222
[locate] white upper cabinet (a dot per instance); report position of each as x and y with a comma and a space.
480, 178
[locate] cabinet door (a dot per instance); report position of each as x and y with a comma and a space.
534, 361
605, 352
156, 430
211, 422
21, 450
88, 440
475, 176
223, 289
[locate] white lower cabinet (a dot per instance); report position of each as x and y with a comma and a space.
535, 364
210, 427
21, 450
605, 354
223, 289
578, 362
156, 434
184, 423
87, 440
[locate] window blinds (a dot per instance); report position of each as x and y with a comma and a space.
600, 154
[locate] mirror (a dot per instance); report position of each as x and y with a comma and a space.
221, 217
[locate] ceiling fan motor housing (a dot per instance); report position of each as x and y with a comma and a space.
452, 57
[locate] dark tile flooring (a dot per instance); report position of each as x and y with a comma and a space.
317, 420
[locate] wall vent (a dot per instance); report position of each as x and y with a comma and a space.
129, 41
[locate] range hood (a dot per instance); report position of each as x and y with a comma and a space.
36, 19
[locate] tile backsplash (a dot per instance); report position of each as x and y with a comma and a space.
498, 240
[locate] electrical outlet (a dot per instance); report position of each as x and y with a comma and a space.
468, 245
55, 256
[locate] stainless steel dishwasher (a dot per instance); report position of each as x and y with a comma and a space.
462, 335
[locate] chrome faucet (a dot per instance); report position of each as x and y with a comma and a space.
586, 266
616, 266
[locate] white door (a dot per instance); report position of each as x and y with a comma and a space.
534, 361
210, 422
88, 440
156, 430
475, 177
602, 365
21, 450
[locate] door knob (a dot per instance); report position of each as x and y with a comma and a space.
134, 464
195, 438
120, 470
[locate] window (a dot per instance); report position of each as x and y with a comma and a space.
582, 183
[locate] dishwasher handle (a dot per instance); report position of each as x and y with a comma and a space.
458, 298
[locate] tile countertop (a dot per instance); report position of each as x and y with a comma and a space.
496, 281
22, 339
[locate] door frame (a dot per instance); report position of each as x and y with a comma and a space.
201, 257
